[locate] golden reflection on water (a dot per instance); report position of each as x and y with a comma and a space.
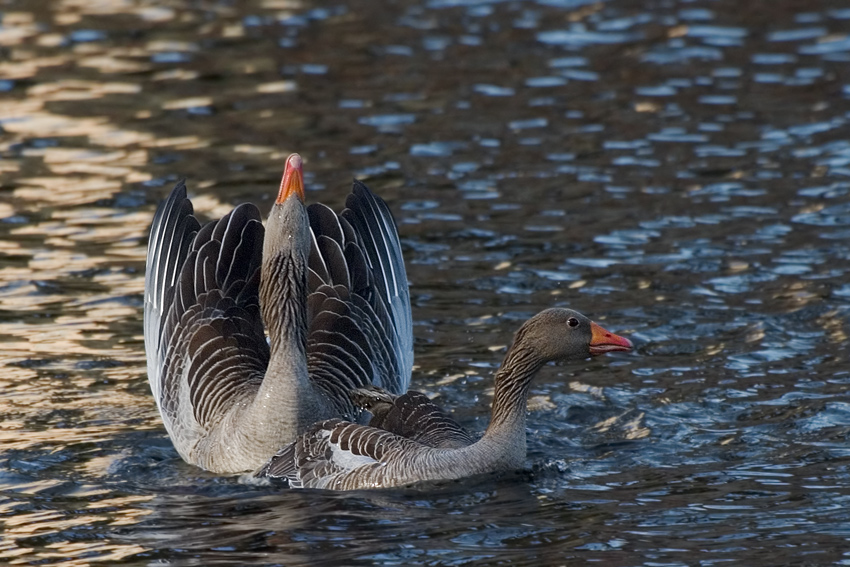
87, 123
107, 513
79, 90
70, 311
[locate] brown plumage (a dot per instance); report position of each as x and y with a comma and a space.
412, 415
339, 455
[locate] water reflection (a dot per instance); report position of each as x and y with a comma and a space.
679, 172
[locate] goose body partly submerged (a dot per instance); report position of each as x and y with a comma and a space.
252, 333
340, 455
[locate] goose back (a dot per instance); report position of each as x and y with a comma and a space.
412, 415
339, 455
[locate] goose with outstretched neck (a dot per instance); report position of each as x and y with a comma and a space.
253, 333
339, 455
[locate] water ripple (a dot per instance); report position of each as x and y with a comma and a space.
679, 173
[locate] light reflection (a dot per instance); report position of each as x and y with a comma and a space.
114, 62
88, 149
17, 27
41, 523
26, 119
63, 437
63, 191
79, 90
83, 553
183, 104
175, 75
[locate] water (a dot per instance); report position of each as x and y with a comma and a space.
679, 171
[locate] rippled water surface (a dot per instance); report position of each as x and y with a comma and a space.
680, 171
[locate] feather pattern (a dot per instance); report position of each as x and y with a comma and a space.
212, 294
397, 450
371, 220
172, 233
412, 415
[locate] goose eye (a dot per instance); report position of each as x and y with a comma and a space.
572, 322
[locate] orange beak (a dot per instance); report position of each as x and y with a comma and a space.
293, 180
603, 341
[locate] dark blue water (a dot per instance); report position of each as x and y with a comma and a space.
679, 171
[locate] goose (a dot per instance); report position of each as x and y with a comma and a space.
252, 333
340, 455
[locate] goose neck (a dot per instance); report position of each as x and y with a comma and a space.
283, 293
286, 400
513, 380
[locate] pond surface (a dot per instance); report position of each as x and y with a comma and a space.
679, 171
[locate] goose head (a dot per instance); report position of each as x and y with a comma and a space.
288, 227
564, 334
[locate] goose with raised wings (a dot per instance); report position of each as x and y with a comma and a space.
254, 333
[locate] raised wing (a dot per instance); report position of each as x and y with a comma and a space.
359, 307
172, 233
372, 220
204, 336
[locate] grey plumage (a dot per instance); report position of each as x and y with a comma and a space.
339, 455
337, 319
412, 415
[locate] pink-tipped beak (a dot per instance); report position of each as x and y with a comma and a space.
603, 341
293, 180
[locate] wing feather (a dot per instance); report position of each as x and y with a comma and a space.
203, 330
412, 415
373, 222
341, 455
356, 259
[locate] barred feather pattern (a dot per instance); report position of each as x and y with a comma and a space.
213, 351
205, 332
340, 455
412, 415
